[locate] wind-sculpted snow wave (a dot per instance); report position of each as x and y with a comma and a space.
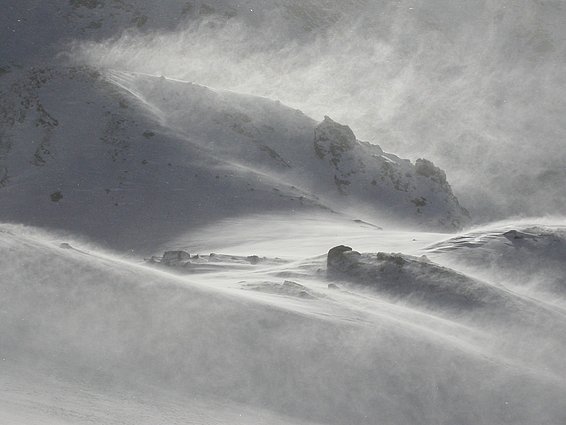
523, 256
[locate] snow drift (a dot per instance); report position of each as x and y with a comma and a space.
87, 320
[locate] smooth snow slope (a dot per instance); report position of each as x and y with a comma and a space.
205, 348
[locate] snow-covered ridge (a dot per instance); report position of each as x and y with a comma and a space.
104, 154
269, 136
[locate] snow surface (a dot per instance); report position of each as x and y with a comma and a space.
91, 336
165, 228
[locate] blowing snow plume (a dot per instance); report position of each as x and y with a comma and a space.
218, 302
478, 88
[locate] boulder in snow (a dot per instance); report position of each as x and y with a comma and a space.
172, 257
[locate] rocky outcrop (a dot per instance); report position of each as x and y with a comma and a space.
416, 280
386, 182
175, 257
332, 140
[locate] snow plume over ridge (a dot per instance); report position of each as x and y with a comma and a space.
477, 88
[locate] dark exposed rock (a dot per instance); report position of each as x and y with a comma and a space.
171, 257
253, 259
340, 259
56, 196
418, 280
335, 256
426, 168
331, 138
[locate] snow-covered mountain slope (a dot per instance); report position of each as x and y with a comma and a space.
79, 155
325, 159
122, 336
467, 86
105, 155
477, 88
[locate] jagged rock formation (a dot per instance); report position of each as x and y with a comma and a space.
365, 171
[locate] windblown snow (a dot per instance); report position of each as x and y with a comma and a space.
202, 222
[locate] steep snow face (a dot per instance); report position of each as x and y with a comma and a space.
103, 156
413, 76
80, 154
